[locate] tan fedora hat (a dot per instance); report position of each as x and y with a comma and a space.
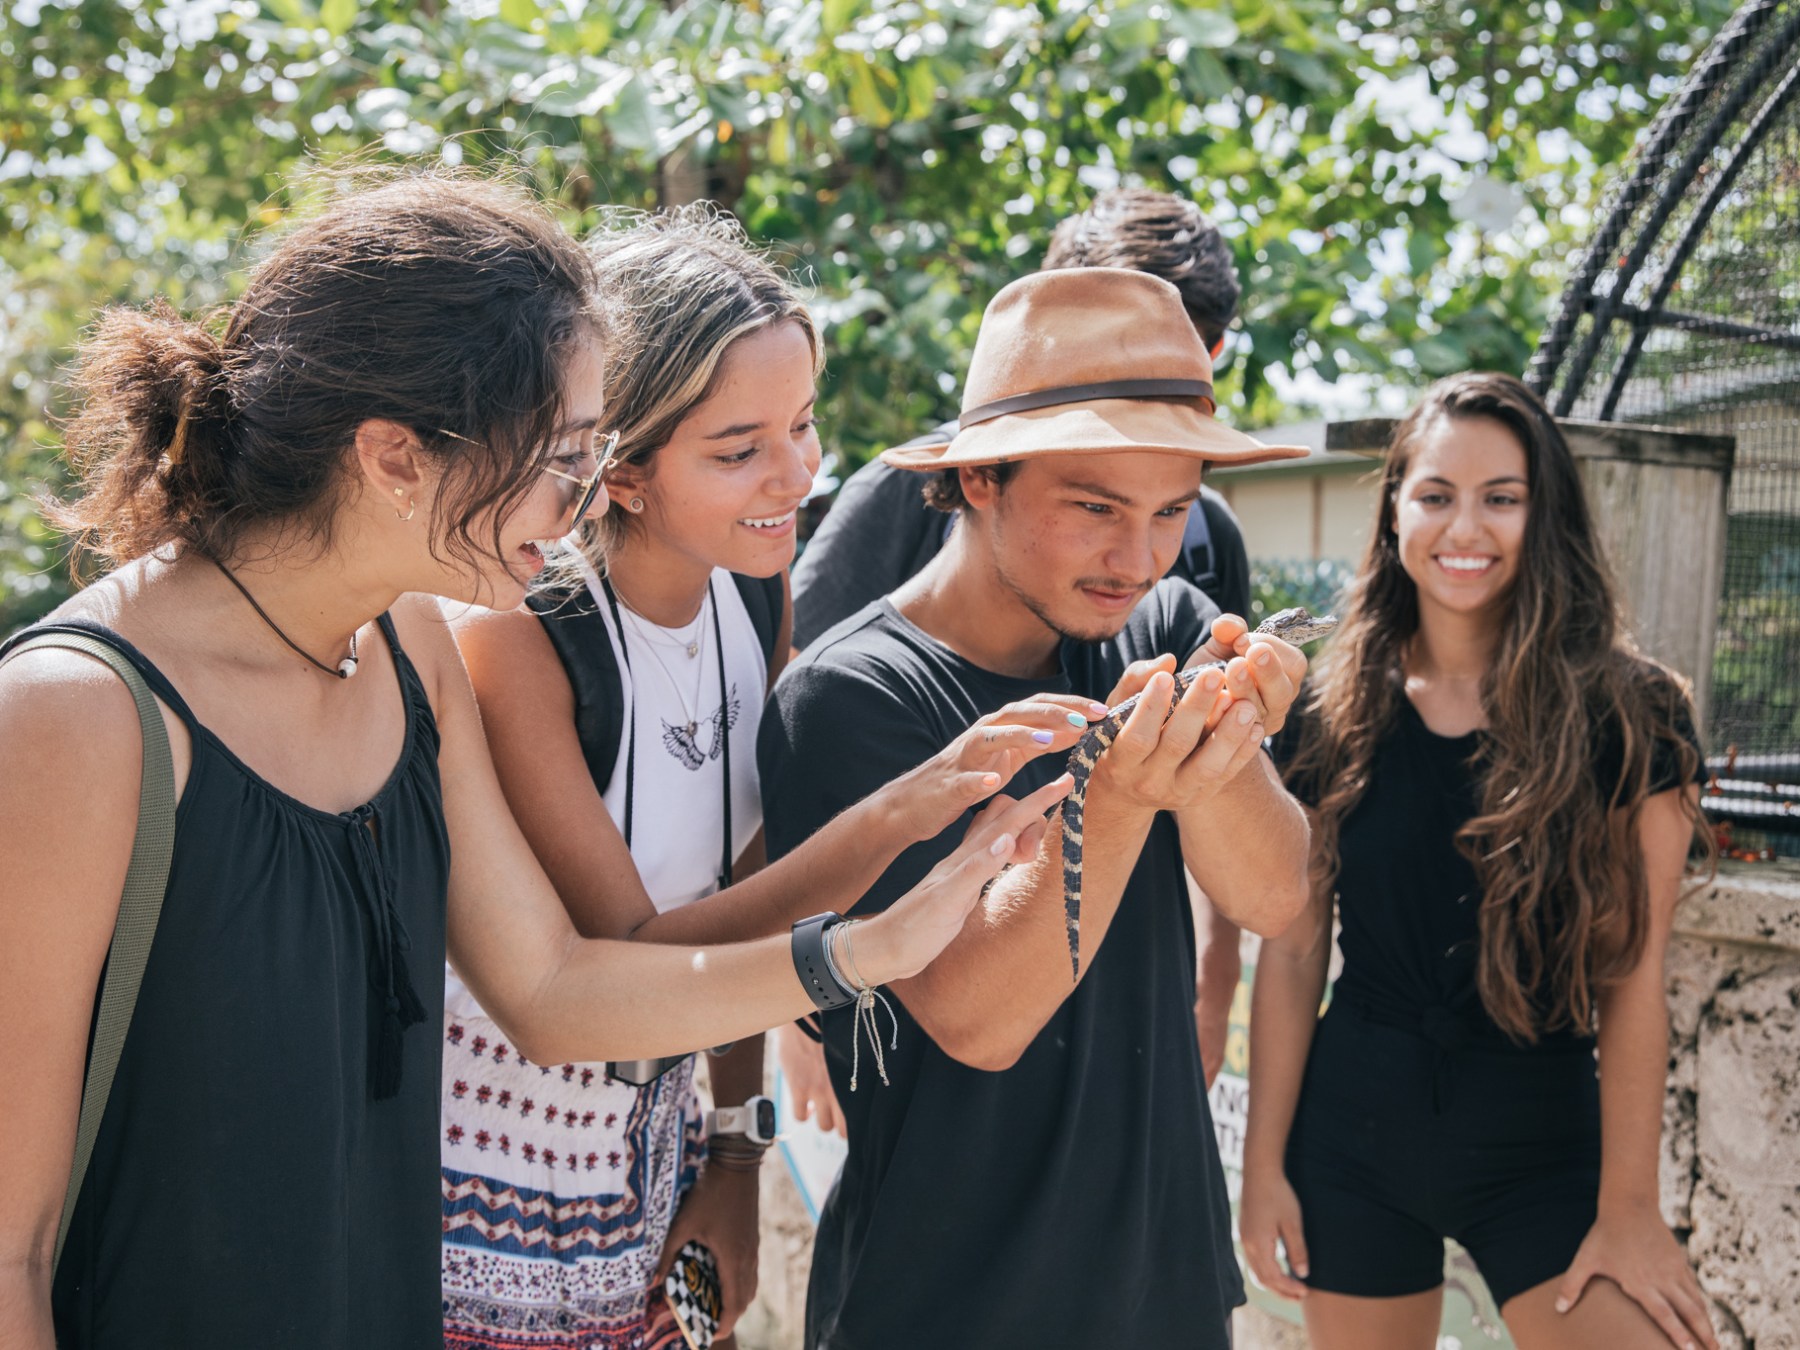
1088, 361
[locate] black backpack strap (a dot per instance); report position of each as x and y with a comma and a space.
578, 631
583, 641
763, 597
1197, 550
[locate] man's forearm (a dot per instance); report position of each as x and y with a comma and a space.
993, 989
1247, 847
737, 1075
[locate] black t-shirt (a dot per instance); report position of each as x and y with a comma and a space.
1408, 900
879, 532
1075, 1199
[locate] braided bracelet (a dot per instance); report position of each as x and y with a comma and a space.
866, 998
815, 945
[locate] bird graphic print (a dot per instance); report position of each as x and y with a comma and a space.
683, 743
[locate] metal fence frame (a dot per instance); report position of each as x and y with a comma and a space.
1624, 347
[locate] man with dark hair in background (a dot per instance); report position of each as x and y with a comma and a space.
880, 532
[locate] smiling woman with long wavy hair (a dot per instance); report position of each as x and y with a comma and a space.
1502, 791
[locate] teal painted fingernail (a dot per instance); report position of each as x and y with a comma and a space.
1043, 737
1077, 720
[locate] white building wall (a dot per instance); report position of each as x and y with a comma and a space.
1300, 514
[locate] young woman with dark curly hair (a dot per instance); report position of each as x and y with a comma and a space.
1502, 790
406, 398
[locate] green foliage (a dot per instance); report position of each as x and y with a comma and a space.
909, 157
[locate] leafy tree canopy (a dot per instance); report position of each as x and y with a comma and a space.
909, 158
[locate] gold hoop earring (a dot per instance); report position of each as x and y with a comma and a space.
411, 507
635, 505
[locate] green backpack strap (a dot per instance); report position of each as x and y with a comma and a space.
139, 907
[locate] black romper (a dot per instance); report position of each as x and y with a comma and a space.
252, 1184
1419, 1119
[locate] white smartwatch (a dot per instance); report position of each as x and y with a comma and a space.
755, 1120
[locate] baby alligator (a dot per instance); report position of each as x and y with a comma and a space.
1293, 626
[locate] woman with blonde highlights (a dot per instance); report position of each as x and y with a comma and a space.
405, 399
1503, 796
673, 609
622, 707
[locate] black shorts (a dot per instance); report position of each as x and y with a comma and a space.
1398, 1144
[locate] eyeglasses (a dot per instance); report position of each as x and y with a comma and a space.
586, 489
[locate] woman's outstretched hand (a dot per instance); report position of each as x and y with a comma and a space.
907, 937
981, 761
1641, 1256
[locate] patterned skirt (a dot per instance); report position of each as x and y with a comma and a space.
559, 1186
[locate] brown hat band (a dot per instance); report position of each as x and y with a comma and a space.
1083, 393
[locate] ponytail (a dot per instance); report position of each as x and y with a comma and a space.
150, 434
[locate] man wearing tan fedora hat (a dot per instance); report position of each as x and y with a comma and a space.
879, 532
1041, 1170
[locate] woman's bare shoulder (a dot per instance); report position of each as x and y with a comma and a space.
508, 649
71, 751
55, 699
497, 630
452, 645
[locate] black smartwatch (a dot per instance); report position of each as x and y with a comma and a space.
826, 987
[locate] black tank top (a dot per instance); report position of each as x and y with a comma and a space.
265, 1174
1408, 900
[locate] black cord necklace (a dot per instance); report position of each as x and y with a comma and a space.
345, 668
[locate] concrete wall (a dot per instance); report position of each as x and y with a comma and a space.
1731, 1117
1730, 1169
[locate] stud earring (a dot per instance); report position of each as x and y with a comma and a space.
635, 505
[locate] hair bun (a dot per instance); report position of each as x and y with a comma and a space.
184, 368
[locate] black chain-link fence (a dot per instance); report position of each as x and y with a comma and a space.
1685, 312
